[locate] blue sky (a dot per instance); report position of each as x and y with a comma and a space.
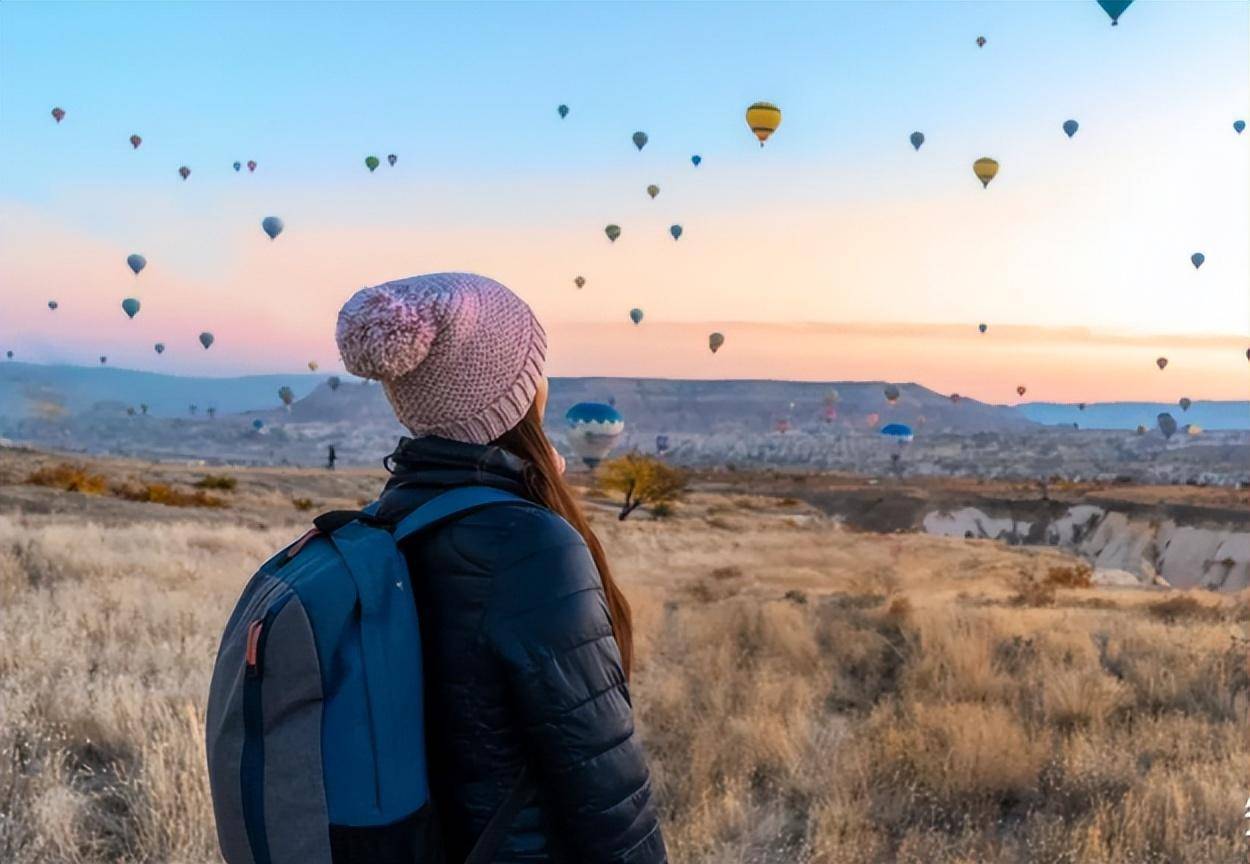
837, 220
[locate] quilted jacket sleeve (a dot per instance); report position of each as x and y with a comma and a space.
548, 623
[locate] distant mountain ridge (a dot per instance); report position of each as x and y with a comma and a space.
1210, 415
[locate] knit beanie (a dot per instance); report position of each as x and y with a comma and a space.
459, 355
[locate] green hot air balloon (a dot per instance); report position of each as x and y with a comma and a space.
613, 231
1114, 9
714, 341
131, 307
635, 315
371, 162
653, 190
206, 339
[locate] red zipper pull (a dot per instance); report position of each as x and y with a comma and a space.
253, 645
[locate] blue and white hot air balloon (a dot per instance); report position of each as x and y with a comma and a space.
898, 432
594, 429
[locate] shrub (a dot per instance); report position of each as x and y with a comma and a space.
1075, 576
1181, 607
224, 482
68, 477
662, 510
162, 493
303, 504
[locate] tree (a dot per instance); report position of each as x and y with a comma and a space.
643, 480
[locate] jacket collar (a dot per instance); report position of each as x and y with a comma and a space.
437, 463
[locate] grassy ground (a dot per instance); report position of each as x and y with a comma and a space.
807, 693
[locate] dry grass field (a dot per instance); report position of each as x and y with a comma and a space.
807, 693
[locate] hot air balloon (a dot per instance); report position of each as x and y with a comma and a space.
980, 41
613, 231
891, 393
675, 230
831, 413
135, 141
1080, 406
640, 140
136, 262
1021, 390
653, 190
563, 111
1185, 403
661, 443
763, 118
371, 162
715, 340
983, 327
1193, 430
782, 425
594, 428
159, 347
334, 382
635, 315
1239, 126
917, 138
1141, 430
873, 418
251, 166
131, 307
312, 365
898, 432
238, 166
206, 339
52, 304
272, 226
1162, 363
1114, 8
696, 159
1070, 127
258, 424
986, 169
130, 411
184, 172
955, 397
8, 355
103, 359
1167, 425
287, 395
58, 114
1196, 259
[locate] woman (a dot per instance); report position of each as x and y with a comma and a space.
527, 639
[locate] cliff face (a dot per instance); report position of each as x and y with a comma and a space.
1212, 556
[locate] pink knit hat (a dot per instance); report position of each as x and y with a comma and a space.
459, 355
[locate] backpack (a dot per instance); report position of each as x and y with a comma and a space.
315, 723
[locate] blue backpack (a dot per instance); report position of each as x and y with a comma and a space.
315, 726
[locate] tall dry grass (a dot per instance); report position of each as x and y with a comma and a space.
897, 704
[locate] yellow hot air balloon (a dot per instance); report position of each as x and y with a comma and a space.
763, 118
986, 169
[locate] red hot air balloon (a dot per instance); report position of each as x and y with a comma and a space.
1021, 390
184, 172
135, 141
58, 114
251, 166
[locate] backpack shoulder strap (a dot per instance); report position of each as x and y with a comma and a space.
451, 505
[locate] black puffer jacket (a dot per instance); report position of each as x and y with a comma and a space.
521, 667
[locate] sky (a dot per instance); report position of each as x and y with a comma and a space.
835, 252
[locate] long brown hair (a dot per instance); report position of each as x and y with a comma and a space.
546, 486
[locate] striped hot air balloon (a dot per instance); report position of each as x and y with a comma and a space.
763, 118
